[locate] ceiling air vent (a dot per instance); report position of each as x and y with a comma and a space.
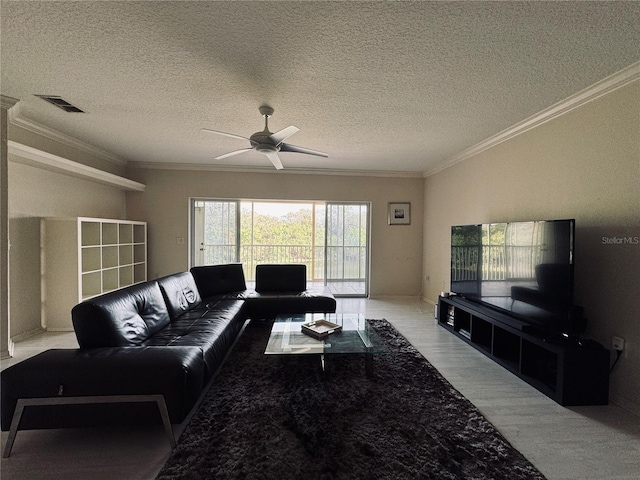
60, 103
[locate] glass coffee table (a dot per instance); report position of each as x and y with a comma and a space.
355, 337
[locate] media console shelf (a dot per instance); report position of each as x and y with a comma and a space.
568, 373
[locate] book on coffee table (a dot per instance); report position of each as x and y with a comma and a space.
320, 329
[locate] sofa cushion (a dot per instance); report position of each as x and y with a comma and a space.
281, 278
180, 292
270, 304
213, 331
213, 280
125, 317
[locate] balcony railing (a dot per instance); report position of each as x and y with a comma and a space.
498, 262
345, 263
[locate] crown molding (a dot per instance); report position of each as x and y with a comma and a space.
271, 170
609, 84
7, 102
19, 121
26, 155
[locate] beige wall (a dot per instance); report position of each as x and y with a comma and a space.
33, 194
583, 165
396, 251
40, 193
25, 291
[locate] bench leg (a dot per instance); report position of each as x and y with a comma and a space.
13, 429
30, 402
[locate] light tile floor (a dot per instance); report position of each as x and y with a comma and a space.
582, 443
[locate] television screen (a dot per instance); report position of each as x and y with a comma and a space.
523, 268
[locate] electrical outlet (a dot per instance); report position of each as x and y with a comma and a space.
617, 343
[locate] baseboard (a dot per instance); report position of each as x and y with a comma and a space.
59, 329
28, 334
429, 301
629, 406
391, 297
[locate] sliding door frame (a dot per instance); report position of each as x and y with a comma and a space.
197, 244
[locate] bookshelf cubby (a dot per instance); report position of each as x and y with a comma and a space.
86, 257
562, 369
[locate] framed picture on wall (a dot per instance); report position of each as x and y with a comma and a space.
399, 213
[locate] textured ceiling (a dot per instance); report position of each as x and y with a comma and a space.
397, 86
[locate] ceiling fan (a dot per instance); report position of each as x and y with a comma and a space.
266, 142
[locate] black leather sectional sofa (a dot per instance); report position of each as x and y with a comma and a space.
162, 340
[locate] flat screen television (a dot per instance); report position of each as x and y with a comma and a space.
522, 268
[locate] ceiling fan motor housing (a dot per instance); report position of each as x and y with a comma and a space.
262, 142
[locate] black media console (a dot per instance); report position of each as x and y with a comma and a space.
568, 371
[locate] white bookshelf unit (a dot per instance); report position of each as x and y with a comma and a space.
85, 257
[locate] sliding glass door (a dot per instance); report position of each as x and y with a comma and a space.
216, 231
330, 238
346, 248
277, 232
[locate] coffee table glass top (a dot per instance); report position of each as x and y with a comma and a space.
356, 335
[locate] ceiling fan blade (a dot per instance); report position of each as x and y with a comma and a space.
235, 152
287, 147
275, 159
283, 134
232, 135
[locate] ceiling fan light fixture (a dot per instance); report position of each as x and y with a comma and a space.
266, 148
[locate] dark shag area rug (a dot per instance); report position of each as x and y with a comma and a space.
281, 417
